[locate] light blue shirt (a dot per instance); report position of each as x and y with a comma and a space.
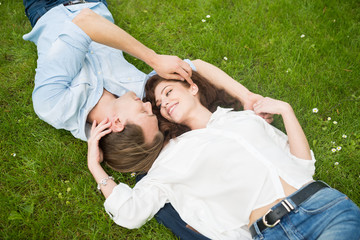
72, 70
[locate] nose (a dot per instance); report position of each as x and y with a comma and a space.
164, 102
147, 106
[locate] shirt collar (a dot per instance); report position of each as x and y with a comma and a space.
218, 113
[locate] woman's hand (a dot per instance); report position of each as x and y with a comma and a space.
97, 132
271, 106
251, 100
298, 143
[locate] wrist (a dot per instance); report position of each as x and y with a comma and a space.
286, 109
150, 58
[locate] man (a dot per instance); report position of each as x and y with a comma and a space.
82, 76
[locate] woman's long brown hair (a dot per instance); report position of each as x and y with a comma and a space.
210, 97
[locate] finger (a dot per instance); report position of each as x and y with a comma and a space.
185, 71
174, 76
269, 120
184, 65
105, 120
102, 127
103, 133
93, 125
184, 74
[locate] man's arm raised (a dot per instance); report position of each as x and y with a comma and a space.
105, 32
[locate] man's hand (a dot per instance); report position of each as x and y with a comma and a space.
171, 67
251, 100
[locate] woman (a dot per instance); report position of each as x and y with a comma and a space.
231, 173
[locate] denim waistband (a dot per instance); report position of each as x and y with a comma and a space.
34, 9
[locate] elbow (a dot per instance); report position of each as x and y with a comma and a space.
129, 223
85, 16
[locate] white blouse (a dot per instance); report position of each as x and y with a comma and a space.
215, 177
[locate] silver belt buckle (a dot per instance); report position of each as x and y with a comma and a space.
266, 223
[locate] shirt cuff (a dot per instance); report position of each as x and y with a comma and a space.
153, 72
120, 194
75, 36
308, 165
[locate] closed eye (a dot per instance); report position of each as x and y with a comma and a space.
168, 92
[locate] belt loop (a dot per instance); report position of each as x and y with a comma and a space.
257, 230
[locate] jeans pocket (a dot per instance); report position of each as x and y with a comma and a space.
322, 200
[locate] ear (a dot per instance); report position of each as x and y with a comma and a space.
116, 124
194, 89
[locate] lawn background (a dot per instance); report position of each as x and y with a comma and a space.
46, 190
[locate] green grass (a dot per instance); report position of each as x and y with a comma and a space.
46, 191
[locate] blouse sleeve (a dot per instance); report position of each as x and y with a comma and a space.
132, 208
308, 166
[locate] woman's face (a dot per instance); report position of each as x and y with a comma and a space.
175, 100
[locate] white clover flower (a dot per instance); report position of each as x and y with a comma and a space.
203, 20
333, 150
207, 16
13, 154
133, 174
338, 148
335, 122
329, 118
225, 58
344, 136
302, 35
336, 163
334, 20
315, 110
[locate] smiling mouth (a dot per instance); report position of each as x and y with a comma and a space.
171, 108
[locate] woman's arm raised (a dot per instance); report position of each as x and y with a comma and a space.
299, 145
222, 80
95, 157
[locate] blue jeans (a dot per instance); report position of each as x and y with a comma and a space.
34, 9
326, 215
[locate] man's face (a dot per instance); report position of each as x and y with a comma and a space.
135, 111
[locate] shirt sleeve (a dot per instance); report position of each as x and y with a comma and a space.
56, 99
132, 208
281, 139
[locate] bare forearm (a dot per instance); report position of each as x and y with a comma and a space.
222, 80
98, 173
298, 143
105, 32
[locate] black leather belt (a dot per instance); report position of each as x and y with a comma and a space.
273, 216
73, 2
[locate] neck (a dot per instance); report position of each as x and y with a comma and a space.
199, 118
102, 109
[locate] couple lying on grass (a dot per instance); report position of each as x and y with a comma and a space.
229, 174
